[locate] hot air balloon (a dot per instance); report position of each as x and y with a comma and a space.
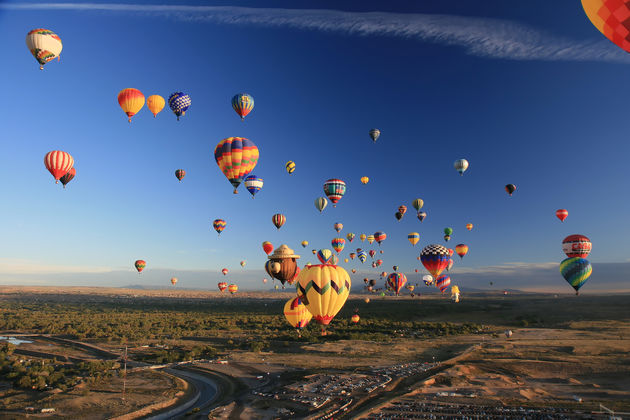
374, 134
232, 288
242, 104
314, 251
362, 237
155, 103
576, 271
276, 287
379, 262
461, 165
69, 176
447, 238
321, 203
455, 293
131, 101
296, 313
58, 163
334, 190
427, 279
366, 300
396, 281
435, 258
140, 264
402, 210
370, 239
324, 290
236, 157
461, 250
413, 237
421, 216
366, 280
284, 266
355, 319
395, 268
338, 226
577, 246
448, 231
338, 244
304, 244
219, 225
373, 282
265, 280
562, 214
278, 220
180, 174
352, 255
450, 264
325, 256
354, 270
174, 280
417, 204
379, 237
290, 167
365, 180
253, 184
510, 188
410, 287
398, 215
224, 271
270, 269
442, 282
362, 256
611, 19
44, 44
222, 286
508, 333
350, 236
267, 247
469, 226
451, 251
179, 103
372, 253
243, 263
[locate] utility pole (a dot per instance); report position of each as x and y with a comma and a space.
124, 374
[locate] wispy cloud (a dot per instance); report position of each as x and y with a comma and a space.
484, 37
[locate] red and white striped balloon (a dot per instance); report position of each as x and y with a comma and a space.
58, 163
562, 214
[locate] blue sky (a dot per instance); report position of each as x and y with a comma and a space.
534, 96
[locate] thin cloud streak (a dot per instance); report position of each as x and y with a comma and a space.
482, 37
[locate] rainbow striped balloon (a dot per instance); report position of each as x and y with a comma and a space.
396, 281
334, 190
219, 225
338, 244
443, 282
242, 104
576, 271
253, 184
236, 157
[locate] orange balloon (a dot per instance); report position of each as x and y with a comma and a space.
610, 17
131, 101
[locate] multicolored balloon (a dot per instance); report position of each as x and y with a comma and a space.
461, 165
435, 258
370, 239
140, 264
562, 214
379, 237
427, 279
510, 188
362, 237
232, 288
355, 319
222, 286
334, 190
278, 220
450, 264
179, 103
352, 255
253, 184
304, 244
375, 134
443, 282
362, 255
219, 225
58, 163
44, 44
413, 237
469, 226
131, 101
417, 204
243, 263
236, 157
155, 103
290, 167
402, 210
324, 290
365, 180
267, 247
350, 236
242, 104
577, 246
576, 271
270, 269
325, 256
461, 250
296, 313
338, 244
69, 176
421, 216
225, 271
174, 280
379, 262
610, 17
321, 203
396, 281
338, 227
180, 174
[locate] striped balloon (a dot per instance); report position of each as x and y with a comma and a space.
253, 184
562, 214
461, 165
69, 176
232, 288
461, 250
290, 167
324, 256
242, 104
413, 237
362, 255
278, 220
338, 227
180, 174
338, 244
219, 225
321, 203
236, 157
435, 258
396, 281
296, 313
576, 271
379, 237
334, 190
140, 264
443, 282
179, 103
131, 101
44, 44
577, 246
417, 204
58, 163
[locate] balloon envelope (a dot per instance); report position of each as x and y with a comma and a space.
242, 104
236, 157
155, 103
610, 17
44, 44
576, 271
562, 214
324, 290
435, 258
577, 246
296, 313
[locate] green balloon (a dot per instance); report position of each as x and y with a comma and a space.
448, 231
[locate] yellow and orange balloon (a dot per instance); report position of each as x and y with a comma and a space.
131, 101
